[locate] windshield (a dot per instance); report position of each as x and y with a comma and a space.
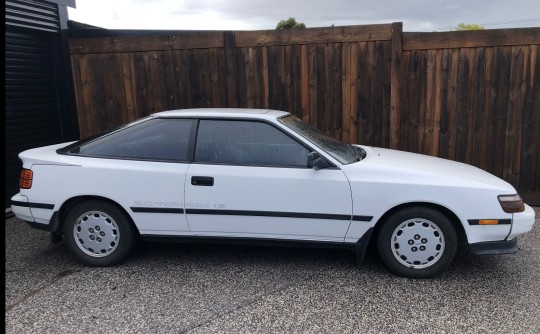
343, 152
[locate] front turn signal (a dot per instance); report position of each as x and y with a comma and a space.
511, 203
25, 182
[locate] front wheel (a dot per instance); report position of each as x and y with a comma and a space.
417, 242
98, 233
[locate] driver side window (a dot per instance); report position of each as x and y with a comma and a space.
247, 143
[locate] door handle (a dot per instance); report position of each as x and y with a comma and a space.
207, 181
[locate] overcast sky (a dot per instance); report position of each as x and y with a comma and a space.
416, 15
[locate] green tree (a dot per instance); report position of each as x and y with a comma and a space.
290, 23
463, 26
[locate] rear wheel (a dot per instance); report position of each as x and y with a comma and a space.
417, 242
98, 233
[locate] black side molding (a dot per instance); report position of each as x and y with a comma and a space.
501, 222
246, 241
277, 214
33, 205
156, 210
494, 247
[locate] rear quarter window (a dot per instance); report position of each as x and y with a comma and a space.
154, 139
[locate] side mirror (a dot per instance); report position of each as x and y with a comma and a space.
316, 161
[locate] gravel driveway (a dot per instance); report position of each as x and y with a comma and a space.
174, 288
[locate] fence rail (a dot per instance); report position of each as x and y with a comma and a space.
467, 96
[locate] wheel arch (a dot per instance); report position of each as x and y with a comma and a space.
456, 222
58, 224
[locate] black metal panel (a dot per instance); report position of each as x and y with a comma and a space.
32, 112
39, 15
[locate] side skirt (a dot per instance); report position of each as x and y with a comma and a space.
244, 241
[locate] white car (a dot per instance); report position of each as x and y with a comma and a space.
263, 175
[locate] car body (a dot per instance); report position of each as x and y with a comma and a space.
263, 175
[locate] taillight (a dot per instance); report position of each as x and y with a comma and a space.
25, 182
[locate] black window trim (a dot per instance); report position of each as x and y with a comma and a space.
244, 119
68, 149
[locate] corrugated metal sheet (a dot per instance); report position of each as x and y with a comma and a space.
32, 112
38, 15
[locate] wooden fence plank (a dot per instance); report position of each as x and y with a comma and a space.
241, 84
230, 68
437, 104
478, 111
181, 41
512, 147
529, 177
462, 105
502, 77
379, 128
362, 94
313, 84
411, 125
470, 39
444, 110
386, 94
352, 118
420, 129
369, 78
426, 139
453, 94
264, 72
470, 103
404, 101
337, 105
346, 91
251, 81
395, 83
374, 32
304, 82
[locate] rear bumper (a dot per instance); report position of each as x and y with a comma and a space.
38, 214
20, 208
494, 247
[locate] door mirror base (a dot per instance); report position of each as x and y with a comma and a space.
316, 161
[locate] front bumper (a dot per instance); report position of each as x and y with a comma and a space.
522, 222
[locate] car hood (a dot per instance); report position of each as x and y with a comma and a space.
430, 168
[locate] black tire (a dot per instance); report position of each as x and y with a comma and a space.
405, 232
104, 235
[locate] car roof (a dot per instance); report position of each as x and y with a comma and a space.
223, 112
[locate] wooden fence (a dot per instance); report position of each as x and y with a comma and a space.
467, 96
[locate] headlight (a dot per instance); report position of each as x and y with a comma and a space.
511, 203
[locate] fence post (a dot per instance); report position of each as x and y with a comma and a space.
230, 68
395, 81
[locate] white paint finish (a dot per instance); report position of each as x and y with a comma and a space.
269, 189
128, 183
385, 179
42, 216
442, 171
21, 212
357, 230
522, 223
152, 223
